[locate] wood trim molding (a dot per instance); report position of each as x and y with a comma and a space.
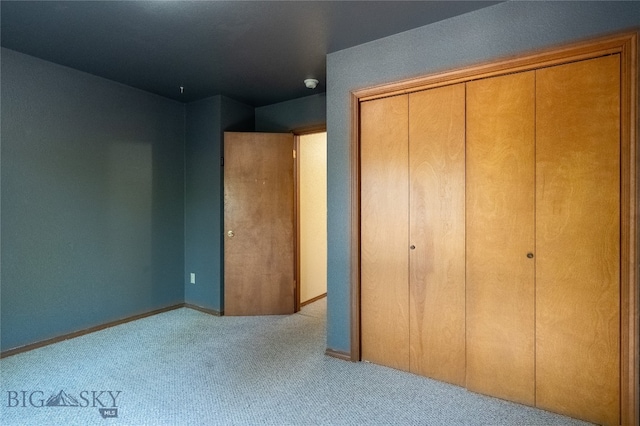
625, 44
109, 324
89, 330
355, 228
203, 310
296, 222
629, 336
344, 356
523, 62
309, 130
313, 299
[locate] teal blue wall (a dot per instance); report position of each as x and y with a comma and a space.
310, 111
203, 183
92, 201
505, 29
207, 120
110, 198
102, 185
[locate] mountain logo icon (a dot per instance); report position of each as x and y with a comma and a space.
62, 400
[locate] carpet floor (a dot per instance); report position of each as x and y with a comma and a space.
185, 367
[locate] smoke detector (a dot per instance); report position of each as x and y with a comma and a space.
311, 83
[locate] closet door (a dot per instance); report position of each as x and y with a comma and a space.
500, 236
578, 239
437, 293
384, 180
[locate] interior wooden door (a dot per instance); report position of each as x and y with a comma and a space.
259, 224
500, 236
578, 239
437, 233
384, 181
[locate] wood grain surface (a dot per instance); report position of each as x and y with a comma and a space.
578, 239
500, 234
437, 230
384, 232
259, 210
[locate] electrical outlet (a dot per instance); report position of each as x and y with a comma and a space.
193, 278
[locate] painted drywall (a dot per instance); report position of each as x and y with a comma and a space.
203, 183
92, 201
499, 31
301, 113
312, 160
206, 121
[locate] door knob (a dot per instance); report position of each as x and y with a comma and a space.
231, 234
412, 247
530, 255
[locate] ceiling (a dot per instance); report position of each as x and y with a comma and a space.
257, 52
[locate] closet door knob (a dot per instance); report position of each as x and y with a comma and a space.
412, 247
530, 255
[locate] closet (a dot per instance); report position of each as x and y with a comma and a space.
412, 192
490, 235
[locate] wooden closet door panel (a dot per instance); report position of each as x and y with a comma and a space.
384, 231
500, 233
578, 239
437, 292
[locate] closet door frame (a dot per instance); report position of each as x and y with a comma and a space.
624, 44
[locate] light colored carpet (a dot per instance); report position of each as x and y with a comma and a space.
185, 367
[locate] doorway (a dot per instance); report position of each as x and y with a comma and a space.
311, 166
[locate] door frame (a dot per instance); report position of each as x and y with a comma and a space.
296, 202
625, 44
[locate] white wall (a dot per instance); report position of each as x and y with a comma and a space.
312, 157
